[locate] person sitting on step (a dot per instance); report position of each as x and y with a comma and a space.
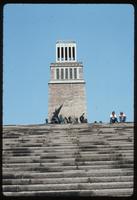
113, 117
122, 117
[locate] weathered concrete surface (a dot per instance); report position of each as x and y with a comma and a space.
63, 160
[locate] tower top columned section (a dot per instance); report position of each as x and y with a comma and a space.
66, 51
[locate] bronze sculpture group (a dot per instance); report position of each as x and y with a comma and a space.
59, 119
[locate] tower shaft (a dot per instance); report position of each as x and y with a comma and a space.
66, 85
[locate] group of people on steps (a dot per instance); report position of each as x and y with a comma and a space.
114, 119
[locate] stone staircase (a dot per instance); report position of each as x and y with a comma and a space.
68, 160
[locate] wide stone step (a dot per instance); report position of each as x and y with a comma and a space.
72, 186
67, 137
92, 179
110, 138
35, 160
53, 159
70, 139
71, 173
66, 193
58, 156
36, 143
118, 155
66, 163
78, 128
71, 131
105, 142
82, 150
72, 147
67, 132
106, 136
59, 168
56, 147
66, 151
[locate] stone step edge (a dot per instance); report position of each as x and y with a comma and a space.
97, 171
64, 186
69, 180
64, 154
100, 143
22, 165
76, 147
69, 151
65, 136
104, 124
76, 173
71, 167
58, 160
68, 163
104, 192
56, 155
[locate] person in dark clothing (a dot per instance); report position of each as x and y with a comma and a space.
113, 118
46, 120
122, 117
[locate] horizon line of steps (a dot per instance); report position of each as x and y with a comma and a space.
79, 160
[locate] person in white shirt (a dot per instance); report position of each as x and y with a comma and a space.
113, 117
122, 117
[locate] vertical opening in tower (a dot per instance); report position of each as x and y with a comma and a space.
65, 53
69, 53
58, 50
70, 73
57, 73
66, 73
75, 73
62, 53
73, 51
62, 73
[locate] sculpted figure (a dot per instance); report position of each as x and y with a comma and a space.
82, 119
55, 118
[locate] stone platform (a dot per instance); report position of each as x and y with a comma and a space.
68, 160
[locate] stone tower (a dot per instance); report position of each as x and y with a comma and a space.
66, 85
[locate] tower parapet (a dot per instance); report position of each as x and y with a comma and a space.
66, 51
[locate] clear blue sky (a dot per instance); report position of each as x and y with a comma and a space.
104, 34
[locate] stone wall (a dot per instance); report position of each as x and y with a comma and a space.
71, 95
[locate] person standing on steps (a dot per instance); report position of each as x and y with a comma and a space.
46, 121
113, 118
